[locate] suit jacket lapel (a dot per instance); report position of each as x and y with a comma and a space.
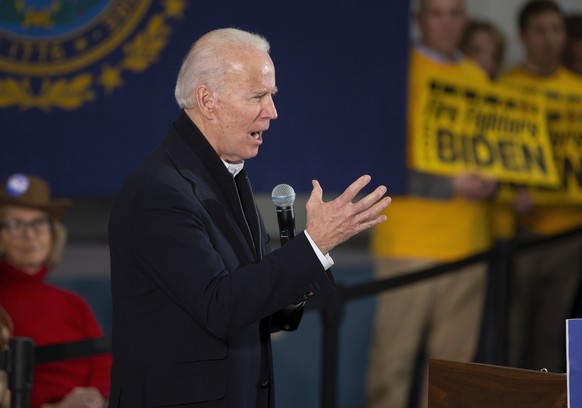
248, 202
198, 162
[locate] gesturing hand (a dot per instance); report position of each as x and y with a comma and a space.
334, 222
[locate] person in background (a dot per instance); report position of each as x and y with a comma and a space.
573, 53
32, 238
440, 219
484, 43
546, 279
191, 265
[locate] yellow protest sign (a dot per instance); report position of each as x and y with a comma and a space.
564, 116
484, 129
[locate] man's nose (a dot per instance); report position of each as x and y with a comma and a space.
269, 109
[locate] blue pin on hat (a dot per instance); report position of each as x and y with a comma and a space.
17, 185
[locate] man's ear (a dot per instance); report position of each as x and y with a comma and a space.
205, 100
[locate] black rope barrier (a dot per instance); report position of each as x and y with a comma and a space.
71, 350
19, 359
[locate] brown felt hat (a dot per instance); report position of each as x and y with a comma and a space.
26, 190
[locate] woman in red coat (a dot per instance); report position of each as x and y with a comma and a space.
32, 238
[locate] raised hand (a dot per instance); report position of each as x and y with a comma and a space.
329, 224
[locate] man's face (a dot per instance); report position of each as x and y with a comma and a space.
544, 38
442, 23
244, 107
482, 48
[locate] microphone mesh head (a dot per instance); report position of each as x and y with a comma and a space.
283, 195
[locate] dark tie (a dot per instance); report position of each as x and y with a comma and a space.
247, 201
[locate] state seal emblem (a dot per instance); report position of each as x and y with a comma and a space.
64, 53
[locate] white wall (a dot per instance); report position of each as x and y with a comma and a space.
504, 14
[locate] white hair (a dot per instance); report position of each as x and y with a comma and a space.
205, 63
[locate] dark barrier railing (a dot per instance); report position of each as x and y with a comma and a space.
18, 360
500, 259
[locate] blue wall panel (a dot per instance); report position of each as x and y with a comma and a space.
341, 69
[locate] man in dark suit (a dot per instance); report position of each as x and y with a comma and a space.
196, 289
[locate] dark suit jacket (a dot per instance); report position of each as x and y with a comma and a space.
196, 290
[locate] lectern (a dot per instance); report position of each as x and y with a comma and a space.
471, 385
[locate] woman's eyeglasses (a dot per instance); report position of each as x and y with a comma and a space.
16, 227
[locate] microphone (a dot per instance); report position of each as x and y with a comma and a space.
283, 197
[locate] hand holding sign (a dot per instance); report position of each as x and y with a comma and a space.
474, 187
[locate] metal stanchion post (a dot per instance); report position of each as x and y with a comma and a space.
19, 364
332, 314
501, 270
